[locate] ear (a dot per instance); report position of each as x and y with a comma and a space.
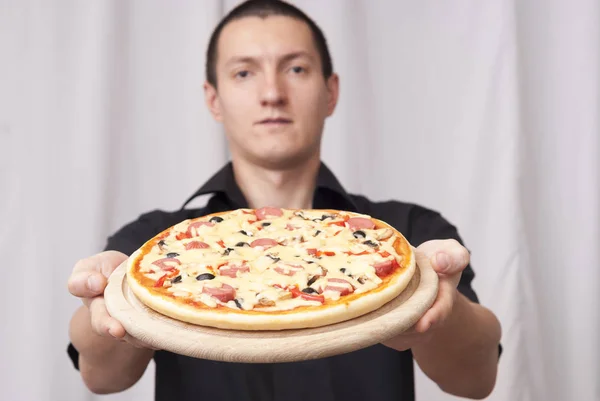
333, 92
211, 98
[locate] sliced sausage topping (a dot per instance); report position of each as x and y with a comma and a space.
196, 245
266, 243
344, 287
357, 223
225, 293
262, 213
231, 270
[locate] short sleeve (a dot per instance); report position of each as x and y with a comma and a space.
425, 225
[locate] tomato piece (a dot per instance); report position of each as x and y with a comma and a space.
358, 254
297, 293
181, 236
337, 223
161, 280
221, 243
309, 297
315, 252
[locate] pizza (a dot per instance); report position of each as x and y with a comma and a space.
271, 268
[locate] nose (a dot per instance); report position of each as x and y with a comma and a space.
273, 92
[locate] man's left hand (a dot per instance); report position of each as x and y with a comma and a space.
448, 258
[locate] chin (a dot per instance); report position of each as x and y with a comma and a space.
284, 161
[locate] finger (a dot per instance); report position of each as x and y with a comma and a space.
446, 256
109, 326
89, 275
440, 310
108, 261
103, 262
102, 323
86, 284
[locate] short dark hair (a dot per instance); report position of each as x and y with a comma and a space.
264, 9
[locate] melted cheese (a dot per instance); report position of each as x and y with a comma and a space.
309, 248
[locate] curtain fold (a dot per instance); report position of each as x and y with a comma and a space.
488, 112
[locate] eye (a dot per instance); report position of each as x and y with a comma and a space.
242, 74
298, 70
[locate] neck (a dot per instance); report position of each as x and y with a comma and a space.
291, 188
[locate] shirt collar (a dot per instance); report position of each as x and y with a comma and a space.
223, 182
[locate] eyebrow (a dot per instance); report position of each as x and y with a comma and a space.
253, 60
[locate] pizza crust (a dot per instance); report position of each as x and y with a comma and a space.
347, 308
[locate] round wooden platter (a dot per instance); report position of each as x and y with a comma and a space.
168, 334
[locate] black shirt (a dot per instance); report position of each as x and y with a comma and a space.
375, 373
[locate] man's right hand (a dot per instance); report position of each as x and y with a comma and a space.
88, 281
106, 365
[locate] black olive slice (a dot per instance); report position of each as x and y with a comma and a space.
205, 276
299, 214
274, 258
371, 243
216, 219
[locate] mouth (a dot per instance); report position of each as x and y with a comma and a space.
275, 121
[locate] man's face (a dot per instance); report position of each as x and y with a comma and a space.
272, 97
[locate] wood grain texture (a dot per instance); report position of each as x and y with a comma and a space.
210, 343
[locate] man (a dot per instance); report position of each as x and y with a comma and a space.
271, 84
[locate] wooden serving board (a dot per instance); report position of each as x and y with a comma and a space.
210, 343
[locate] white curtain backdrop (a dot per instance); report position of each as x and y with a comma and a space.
488, 111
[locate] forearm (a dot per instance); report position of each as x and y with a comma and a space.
462, 355
106, 365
